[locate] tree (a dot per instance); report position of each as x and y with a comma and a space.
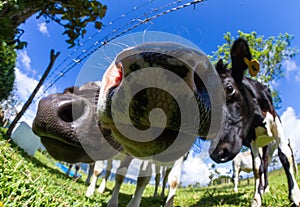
270, 52
7, 64
73, 15
9, 107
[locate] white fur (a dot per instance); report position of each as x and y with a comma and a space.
242, 162
273, 130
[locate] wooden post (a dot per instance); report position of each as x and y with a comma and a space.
19, 115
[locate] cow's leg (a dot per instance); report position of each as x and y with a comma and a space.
90, 173
142, 181
167, 171
69, 170
235, 175
101, 188
99, 167
120, 175
257, 171
294, 161
286, 158
265, 160
157, 179
174, 180
77, 167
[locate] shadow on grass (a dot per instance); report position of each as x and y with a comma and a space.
124, 199
215, 197
146, 201
36, 162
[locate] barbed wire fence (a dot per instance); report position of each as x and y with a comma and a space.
90, 45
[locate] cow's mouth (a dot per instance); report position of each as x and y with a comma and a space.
65, 151
66, 141
224, 155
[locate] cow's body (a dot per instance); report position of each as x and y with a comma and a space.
244, 162
241, 163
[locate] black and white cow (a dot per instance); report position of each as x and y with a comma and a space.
251, 120
62, 119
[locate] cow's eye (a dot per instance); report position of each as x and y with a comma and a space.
230, 90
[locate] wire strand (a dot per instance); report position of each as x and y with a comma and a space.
106, 39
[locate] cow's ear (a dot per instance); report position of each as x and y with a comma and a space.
239, 51
221, 67
71, 89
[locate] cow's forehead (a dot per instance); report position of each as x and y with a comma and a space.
173, 51
226, 77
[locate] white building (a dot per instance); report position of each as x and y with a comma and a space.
26, 139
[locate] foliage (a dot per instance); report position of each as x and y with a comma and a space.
9, 106
73, 15
270, 52
35, 181
7, 72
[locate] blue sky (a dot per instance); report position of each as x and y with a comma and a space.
204, 25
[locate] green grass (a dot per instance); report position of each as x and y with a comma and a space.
36, 181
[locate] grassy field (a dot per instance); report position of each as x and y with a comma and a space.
36, 181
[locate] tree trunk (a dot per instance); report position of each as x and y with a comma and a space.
53, 57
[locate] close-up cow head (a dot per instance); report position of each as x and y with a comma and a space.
154, 96
67, 125
242, 110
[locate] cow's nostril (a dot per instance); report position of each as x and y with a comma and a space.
71, 112
224, 154
220, 152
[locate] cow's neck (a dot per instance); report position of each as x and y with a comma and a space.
204, 106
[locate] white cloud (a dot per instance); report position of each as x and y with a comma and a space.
134, 168
194, 171
25, 60
25, 86
290, 65
297, 77
43, 28
274, 84
292, 70
291, 128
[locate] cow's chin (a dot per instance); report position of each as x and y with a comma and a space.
65, 152
164, 148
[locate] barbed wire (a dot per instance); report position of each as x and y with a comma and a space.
96, 33
115, 34
131, 22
